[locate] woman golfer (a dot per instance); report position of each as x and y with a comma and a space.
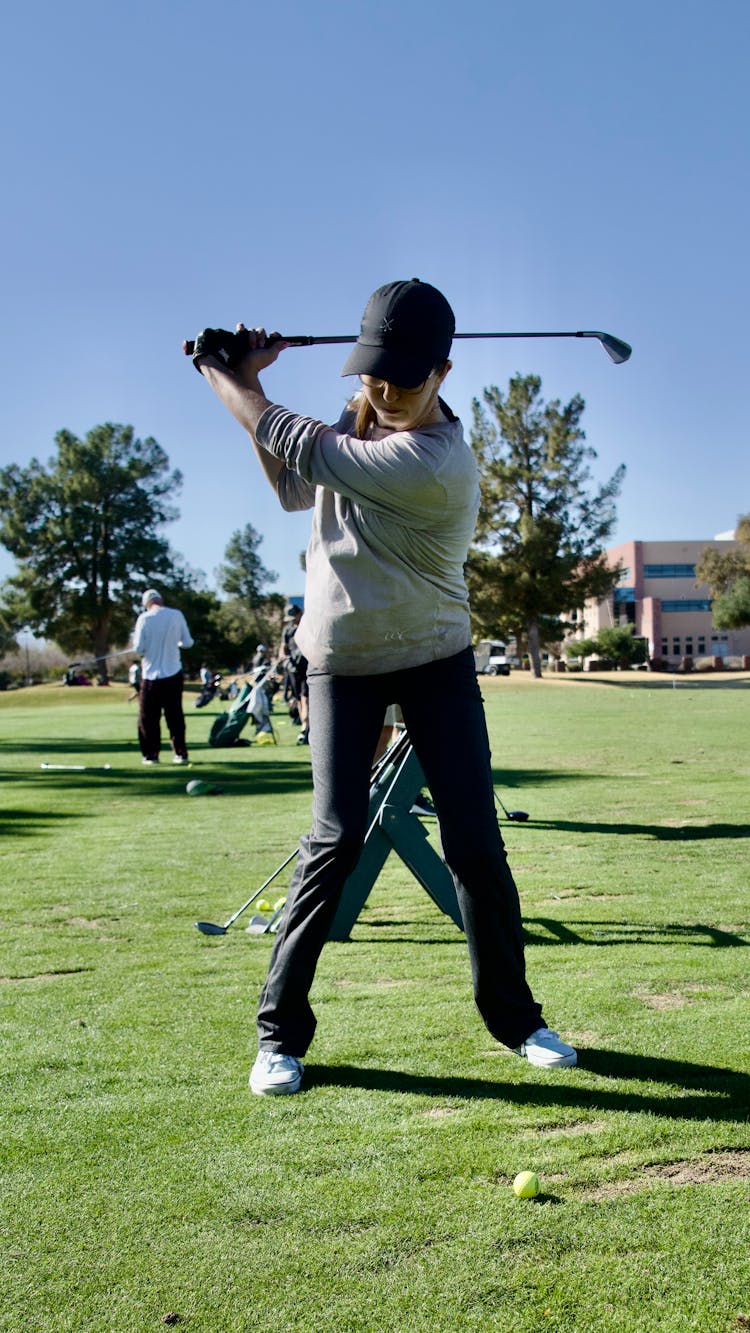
394, 491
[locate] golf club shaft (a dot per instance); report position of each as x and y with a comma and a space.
92, 661
615, 348
259, 891
502, 807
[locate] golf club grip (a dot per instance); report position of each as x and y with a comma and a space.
294, 340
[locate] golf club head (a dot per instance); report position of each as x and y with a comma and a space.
257, 925
519, 815
208, 928
615, 348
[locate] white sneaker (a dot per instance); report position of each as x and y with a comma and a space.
180, 759
545, 1048
273, 1074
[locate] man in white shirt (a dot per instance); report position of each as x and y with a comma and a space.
160, 632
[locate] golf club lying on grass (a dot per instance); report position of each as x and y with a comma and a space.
80, 768
615, 348
519, 815
209, 928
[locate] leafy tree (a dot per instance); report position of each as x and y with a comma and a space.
244, 575
84, 532
243, 629
541, 529
728, 577
615, 642
250, 615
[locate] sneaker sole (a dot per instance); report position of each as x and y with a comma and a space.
565, 1062
277, 1089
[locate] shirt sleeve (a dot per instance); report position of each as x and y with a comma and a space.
293, 491
396, 473
138, 635
186, 638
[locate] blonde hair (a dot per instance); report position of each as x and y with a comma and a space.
366, 415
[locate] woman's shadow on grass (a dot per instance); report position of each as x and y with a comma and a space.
612, 1081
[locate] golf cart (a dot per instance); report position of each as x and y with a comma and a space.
490, 658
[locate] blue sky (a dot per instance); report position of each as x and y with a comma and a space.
168, 166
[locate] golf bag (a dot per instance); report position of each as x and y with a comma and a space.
209, 691
253, 701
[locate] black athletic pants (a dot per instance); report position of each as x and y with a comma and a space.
346, 717
154, 697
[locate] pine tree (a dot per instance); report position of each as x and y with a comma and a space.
541, 531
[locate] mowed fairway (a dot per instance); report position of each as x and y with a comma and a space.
143, 1185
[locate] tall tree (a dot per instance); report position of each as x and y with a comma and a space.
541, 531
251, 615
84, 532
244, 575
727, 574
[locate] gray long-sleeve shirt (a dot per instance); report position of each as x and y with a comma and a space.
393, 519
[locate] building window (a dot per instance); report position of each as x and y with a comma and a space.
669, 571
689, 646
701, 645
665, 647
676, 646
686, 604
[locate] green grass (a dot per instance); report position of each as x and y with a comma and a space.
140, 1177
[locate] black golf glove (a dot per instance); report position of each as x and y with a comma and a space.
221, 344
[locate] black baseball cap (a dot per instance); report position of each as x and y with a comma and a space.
407, 330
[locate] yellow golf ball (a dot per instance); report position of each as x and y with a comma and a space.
526, 1185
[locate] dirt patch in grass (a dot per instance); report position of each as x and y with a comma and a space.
713, 1168
669, 1000
46, 976
716, 1166
678, 998
576, 1127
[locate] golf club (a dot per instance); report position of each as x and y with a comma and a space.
519, 815
92, 661
209, 928
80, 768
616, 349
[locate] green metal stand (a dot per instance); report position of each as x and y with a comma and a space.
397, 780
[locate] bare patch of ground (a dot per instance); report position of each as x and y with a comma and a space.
685, 994
669, 1000
45, 976
574, 1127
711, 1169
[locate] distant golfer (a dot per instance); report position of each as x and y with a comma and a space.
160, 633
395, 493
134, 680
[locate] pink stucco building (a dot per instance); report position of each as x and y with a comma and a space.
659, 595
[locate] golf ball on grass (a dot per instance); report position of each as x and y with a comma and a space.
526, 1185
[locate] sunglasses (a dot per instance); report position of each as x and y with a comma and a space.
370, 382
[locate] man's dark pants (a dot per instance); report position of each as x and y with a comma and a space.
346, 717
157, 696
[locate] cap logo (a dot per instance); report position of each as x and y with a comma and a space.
387, 325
